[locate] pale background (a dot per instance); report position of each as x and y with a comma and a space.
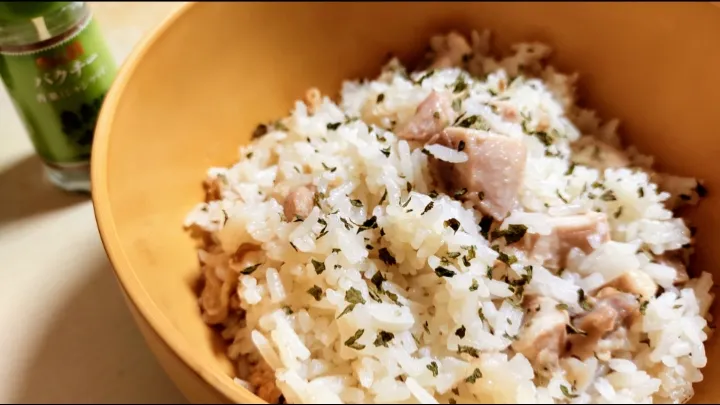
65, 333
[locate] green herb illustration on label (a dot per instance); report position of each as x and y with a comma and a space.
58, 87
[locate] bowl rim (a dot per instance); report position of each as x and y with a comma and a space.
129, 283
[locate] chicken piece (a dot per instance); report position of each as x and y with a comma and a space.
675, 261
542, 337
299, 202
684, 191
592, 152
219, 293
313, 99
245, 256
584, 232
492, 175
213, 189
262, 378
449, 50
635, 282
215, 297
612, 310
431, 117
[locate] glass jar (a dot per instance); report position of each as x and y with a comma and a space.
57, 69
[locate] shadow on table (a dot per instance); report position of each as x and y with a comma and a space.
92, 352
25, 192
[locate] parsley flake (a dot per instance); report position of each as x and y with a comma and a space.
453, 224
474, 376
384, 196
370, 223
460, 85
561, 197
393, 297
443, 272
512, 234
377, 280
608, 196
473, 352
428, 208
460, 193
259, 131
346, 311
467, 122
383, 338
251, 269
347, 224
316, 292
425, 76
352, 341
570, 329
485, 224
433, 367
386, 257
583, 301
566, 391
319, 266
481, 315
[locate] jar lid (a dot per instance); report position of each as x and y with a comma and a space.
17, 11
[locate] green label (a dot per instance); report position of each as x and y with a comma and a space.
58, 87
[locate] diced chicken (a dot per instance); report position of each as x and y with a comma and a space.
219, 292
683, 191
635, 282
262, 379
215, 297
593, 152
213, 189
618, 340
313, 99
584, 232
492, 175
449, 50
675, 261
542, 338
612, 310
245, 256
299, 202
431, 117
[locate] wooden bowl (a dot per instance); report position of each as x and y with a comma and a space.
197, 87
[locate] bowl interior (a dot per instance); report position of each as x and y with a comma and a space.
200, 85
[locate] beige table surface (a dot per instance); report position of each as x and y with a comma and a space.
65, 333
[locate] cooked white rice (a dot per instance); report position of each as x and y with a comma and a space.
400, 343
